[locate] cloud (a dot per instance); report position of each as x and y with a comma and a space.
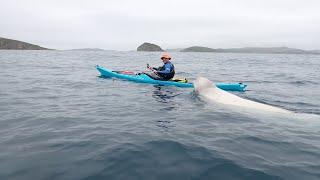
124, 24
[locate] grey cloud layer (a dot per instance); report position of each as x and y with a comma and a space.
124, 24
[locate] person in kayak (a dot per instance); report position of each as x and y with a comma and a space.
165, 72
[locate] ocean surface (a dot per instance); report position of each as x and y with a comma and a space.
60, 120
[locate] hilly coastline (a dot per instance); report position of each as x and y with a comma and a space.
258, 50
261, 50
11, 44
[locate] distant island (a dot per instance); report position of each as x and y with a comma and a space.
11, 44
18, 45
261, 50
258, 50
197, 49
149, 47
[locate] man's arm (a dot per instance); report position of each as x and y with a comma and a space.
167, 69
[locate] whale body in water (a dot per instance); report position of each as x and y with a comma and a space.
206, 89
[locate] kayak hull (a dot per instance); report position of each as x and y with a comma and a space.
143, 78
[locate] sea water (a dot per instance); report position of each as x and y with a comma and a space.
59, 120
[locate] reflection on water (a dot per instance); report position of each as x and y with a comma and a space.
164, 94
166, 124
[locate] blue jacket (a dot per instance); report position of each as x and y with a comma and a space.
166, 71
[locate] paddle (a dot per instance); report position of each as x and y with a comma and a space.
151, 68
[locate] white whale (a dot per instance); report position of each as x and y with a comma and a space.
206, 89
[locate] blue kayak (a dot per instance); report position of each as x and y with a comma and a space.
143, 78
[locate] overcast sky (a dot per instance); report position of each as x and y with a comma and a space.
125, 24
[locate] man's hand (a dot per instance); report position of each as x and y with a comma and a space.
148, 66
155, 71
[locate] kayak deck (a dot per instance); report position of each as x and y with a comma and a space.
143, 78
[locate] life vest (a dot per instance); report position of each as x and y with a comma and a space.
167, 76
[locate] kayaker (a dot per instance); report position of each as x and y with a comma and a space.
165, 72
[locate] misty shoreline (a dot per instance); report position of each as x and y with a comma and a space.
10, 44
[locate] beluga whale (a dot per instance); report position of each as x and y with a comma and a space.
206, 89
